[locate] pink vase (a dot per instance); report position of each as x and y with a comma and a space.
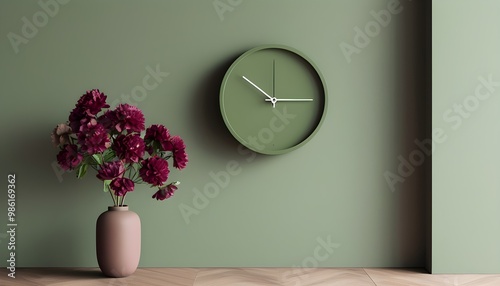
118, 241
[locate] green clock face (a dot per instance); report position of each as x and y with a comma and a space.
273, 99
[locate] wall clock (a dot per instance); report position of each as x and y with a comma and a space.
273, 99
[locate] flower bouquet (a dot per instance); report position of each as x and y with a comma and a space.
110, 142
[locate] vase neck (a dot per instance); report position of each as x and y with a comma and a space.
116, 208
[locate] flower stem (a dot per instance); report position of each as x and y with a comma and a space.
123, 199
112, 197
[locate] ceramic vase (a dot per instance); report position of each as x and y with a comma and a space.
118, 241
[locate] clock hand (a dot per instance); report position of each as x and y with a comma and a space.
270, 98
254, 85
274, 78
291, 99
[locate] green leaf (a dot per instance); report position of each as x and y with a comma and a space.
157, 146
106, 185
97, 158
82, 170
109, 155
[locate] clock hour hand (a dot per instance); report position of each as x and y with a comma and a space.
270, 98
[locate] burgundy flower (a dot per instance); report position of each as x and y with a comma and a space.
111, 170
93, 138
178, 148
60, 135
77, 118
93, 128
129, 147
165, 193
156, 137
121, 186
107, 119
69, 158
154, 171
92, 102
127, 117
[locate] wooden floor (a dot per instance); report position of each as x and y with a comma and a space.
246, 276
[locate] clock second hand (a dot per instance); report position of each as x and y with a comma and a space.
291, 99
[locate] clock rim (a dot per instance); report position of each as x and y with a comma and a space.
228, 75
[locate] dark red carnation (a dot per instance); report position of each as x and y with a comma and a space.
165, 193
106, 119
127, 117
156, 137
77, 118
121, 186
93, 138
92, 102
178, 148
129, 147
69, 158
154, 171
111, 170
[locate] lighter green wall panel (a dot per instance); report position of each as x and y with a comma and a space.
466, 104
272, 210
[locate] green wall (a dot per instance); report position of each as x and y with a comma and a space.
341, 195
465, 105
